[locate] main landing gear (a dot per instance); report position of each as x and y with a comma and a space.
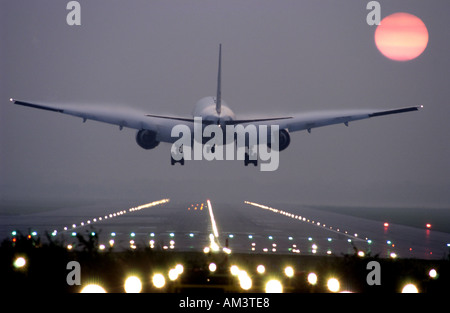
181, 161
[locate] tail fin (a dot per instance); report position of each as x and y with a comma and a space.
219, 91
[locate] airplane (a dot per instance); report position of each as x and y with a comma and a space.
153, 129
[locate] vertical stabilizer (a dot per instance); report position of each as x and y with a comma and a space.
219, 91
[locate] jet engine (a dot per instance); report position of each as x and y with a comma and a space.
284, 140
146, 139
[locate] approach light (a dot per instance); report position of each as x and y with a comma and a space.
333, 285
234, 270
92, 288
433, 273
179, 268
274, 286
410, 288
173, 274
133, 285
226, 250
244, 280
212, 267
261, 269
19, 262
158, 280
312, 278
289, 271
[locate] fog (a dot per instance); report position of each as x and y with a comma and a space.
279, 57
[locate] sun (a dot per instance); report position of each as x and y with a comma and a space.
401, 36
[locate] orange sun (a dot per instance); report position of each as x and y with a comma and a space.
401, 36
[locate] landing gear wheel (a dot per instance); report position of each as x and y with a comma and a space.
247, 160
181, 161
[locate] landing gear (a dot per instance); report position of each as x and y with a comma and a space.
173, 161
247, 160
180, 153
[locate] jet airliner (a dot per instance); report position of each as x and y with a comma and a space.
153, 129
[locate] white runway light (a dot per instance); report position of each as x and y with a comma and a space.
117, 214
133, 285
213, 222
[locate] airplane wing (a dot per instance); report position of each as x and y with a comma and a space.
308, 121
128, 118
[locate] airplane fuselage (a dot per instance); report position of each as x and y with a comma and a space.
206, 109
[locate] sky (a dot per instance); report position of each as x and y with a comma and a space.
279, 57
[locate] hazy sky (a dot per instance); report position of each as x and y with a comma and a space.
279, 57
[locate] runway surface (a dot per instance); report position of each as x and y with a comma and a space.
247, 227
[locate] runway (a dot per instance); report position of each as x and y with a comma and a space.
246, 227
